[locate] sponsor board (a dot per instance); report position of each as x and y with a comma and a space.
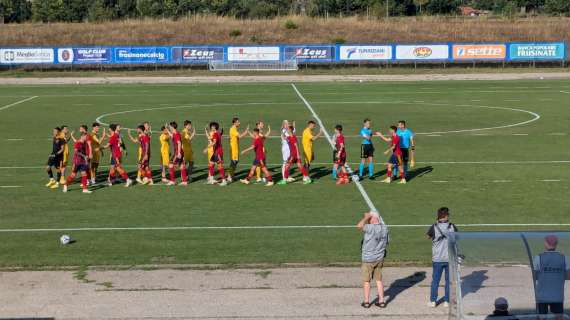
83, 55
365, 53
141, 55
479, 51
197, 54
26, 55
253, 54
310, 53
537, 51
422, 52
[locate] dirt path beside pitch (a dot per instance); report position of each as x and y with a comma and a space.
282, 78
299, 293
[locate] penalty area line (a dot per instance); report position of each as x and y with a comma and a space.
17, 103
182, 228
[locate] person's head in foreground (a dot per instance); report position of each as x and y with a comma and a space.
443, 214
338, 129
401, 124
374, 217
393, 130
501, 307
366, 123
256, 132
311, 124
550, 242
187, 124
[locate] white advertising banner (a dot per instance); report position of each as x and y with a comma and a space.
365, 52
253, 54
423, 52
26, 55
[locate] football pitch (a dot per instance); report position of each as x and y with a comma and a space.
496, 153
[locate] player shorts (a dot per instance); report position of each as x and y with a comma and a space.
372, 270
405, 154
217, 158
80, 167
308, 155
339, 160
293, 159
96, 157
259, 162
164, 159
234, 154
116, 161
285, 152
366, 151
177, 161
145, 163
55, 161
188, 154
556, 308
395, 160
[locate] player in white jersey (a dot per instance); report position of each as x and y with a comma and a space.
285, 152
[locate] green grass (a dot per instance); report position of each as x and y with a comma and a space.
470, 192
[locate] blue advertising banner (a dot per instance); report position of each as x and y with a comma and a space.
84, 55
310, 53
537, 51
197, 54
141, 55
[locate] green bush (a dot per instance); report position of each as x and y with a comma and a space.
291, 25
235, 33
338, 40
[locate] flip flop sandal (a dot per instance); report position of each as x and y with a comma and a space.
365, 305
381, 304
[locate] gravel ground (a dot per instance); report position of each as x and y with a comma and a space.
297, 293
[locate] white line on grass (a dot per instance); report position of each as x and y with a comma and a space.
17, 103
550, 180
481, 225
502, 181
332, 144
10, 187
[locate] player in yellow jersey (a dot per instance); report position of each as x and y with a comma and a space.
307, 140
140, 172
63, 135
209, 151
164, 152
235, 135
188, 134
96, 150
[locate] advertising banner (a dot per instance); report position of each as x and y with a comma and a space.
141, 55
422, 52
479, 51
26, 55
348, 53
197, 54
537, 51
309, 53
253, 54
84, 55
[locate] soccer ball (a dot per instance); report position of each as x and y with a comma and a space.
65, 239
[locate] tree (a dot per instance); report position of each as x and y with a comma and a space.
74, 10
15, 11
419, 4
47, 10
126, 8
101, 11
557, 7
442, 6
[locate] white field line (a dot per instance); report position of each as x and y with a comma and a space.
11, 187
17, 103
565, 92
502, 181
332, 144
535, 116
174, 228
354, 163
550, 180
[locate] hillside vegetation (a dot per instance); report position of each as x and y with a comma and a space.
201, 29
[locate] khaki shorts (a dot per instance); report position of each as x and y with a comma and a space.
372, 270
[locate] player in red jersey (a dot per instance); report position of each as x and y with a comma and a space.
259, 161
396, 157
83, 130
339, 157
114, 145
143, 140
294, 158
217, 157
177, 159
80, 162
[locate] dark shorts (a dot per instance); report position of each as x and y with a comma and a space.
366, 151
177, 161
217, 158
341, 161
556, 308
293, 159
395, 160
80, 167
116, 161
144, 164
55, 161
259, 162
405, 154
